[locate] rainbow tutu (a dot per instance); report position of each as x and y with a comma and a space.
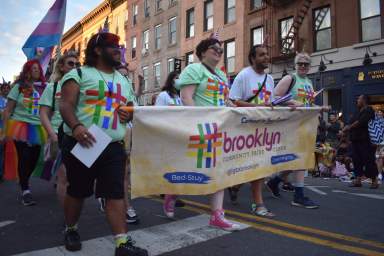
21, 131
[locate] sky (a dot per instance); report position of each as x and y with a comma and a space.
18, 19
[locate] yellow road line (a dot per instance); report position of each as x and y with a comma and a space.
281, 232
296, 227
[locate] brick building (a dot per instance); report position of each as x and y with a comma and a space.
152, 36
337, 33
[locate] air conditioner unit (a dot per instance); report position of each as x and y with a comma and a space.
144, 51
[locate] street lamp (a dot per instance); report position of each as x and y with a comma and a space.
322, 66
367, 58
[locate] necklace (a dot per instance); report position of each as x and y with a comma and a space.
110, 87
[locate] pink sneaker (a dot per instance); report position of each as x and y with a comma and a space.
219, 221
169, 205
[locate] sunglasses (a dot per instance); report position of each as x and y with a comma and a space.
217, 49
303, 64
72, 64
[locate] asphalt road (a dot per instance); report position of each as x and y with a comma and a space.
350, 221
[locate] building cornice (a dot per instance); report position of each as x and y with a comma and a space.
104, 6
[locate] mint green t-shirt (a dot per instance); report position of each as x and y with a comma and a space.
47, 100
27, 105
100, 96
211, 90
303, 91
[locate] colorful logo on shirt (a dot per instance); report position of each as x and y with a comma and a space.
205, 145
31, 101
307, 95
218, 91
104, 106
263, 96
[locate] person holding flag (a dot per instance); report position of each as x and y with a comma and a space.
96, 96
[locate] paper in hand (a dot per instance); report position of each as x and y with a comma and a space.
89, 155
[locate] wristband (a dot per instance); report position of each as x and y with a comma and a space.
75, 126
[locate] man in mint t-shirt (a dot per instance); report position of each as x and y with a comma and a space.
94, 95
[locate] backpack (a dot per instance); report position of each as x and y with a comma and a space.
376, 130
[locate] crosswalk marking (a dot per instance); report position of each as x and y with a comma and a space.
6, 223
157, 239
372, 196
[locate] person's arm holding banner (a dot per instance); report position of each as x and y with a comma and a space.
282, 88
125, 113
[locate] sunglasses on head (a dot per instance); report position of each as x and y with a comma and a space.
217, 49
73, 64
303, 64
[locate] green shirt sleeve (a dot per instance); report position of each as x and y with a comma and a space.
46, 98
73, 74
14, 93
190, 75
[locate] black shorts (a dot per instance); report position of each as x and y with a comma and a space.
108, 172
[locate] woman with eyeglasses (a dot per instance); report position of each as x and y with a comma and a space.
198, 87
301, 88
22, 123
50, 115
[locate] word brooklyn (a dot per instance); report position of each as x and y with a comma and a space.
261, 138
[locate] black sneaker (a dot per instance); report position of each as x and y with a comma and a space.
72, 240
131, 216
288, 187
27, 200
128, 249
179, 203
273, 188
233, 195
304, 202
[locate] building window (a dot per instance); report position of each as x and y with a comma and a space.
145, 41
190, 23
370, 20
286, 37
208, 15
146, 8
189, 58
172, 30
117, 25
323, 30
126, 18
230, 11
133, 46
157, 73
135, 11
145, 78
229, 56
172, 2
256, 4
158, 36
257, 36
158, 5
171, 65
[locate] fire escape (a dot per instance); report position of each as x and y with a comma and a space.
290, 31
